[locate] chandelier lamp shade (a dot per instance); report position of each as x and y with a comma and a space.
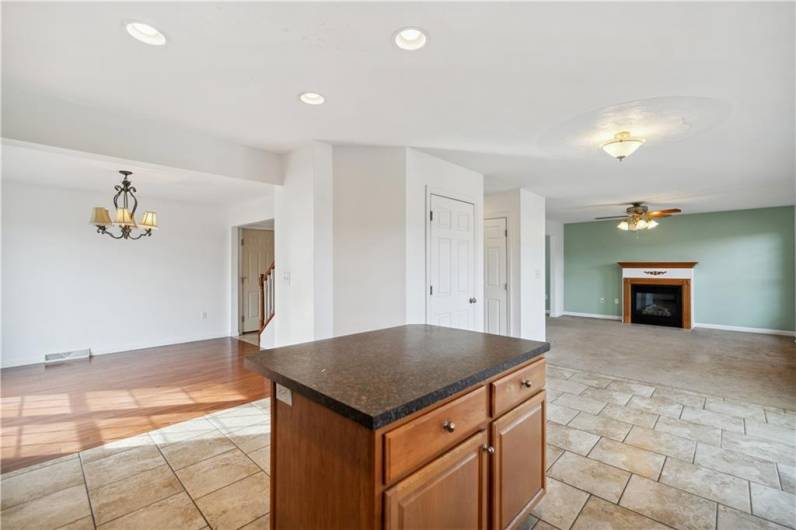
125, 205
623, 145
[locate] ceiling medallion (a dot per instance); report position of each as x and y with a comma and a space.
125, 215
623, 145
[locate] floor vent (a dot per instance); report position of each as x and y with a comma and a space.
67, 356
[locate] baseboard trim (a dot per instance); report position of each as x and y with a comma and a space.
591, 315
742, 329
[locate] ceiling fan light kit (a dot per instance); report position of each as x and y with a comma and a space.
623, 145
638, 217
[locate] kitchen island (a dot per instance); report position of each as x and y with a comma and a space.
409, 427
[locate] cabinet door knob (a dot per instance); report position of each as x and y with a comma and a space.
449, 426
489, 449
527, 383
473, 300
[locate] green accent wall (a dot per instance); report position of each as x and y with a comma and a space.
745, 275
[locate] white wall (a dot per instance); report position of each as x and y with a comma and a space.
65, 287
303, 230
427, 173
369, 238
555, 230
525, 213
532, 227
323, 249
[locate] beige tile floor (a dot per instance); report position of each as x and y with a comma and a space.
210, 472
622, 454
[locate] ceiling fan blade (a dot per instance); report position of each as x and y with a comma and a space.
658, 215
664, 213
612, 217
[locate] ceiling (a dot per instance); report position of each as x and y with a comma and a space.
80, 171
494, 85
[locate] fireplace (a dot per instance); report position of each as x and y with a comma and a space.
658, 293
661, 305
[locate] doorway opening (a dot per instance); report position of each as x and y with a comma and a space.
255, 279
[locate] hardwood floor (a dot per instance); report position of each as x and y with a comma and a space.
49, 411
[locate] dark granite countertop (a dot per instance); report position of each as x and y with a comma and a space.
378, 377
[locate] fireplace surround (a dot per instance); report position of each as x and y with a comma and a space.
658, 293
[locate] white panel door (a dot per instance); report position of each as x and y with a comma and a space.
451, 300
495, 276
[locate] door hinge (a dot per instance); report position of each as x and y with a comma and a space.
242, 241
506, 286
431, 289
243, 318
506, 232
431, 215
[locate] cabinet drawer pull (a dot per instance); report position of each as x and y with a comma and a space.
449, 426
489, 449
527, 383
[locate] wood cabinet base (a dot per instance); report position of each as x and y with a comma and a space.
455, 464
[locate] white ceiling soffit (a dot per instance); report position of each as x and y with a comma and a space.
60, 168
491, 90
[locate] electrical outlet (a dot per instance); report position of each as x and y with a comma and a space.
602, 299
616, 301
204, 315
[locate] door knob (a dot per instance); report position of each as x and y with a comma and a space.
489, 449
473, 300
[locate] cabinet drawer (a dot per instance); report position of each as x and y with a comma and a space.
417, 441
516, 387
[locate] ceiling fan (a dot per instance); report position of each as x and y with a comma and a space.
638, 217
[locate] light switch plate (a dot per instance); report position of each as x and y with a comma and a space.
284, 394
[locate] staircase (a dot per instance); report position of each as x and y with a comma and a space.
267, 296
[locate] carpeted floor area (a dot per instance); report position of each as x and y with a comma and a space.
745, 366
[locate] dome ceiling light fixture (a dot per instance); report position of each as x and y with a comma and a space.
124, 214
623, 145
638, 217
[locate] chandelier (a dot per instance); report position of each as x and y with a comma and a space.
125, 215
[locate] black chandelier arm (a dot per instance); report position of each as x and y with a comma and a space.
146, 233
103, 230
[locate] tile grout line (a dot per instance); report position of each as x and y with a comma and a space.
88, 495
184, 489
575, 520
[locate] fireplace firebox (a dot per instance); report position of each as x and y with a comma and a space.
660, 305
658, 292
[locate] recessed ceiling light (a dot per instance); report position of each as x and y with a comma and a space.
312, 98
410, 38
145, 33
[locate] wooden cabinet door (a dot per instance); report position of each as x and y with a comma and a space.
518, 479
449, 493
